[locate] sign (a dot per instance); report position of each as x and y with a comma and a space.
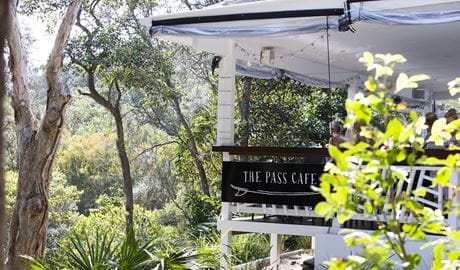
271, 183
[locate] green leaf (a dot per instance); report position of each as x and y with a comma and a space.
401, 82
442, 177
438, 133
454, 86
368, 207
419, 77
421, 192
344, 216
338, 157
323, 208
367, 58
341, 195
371, 85
453, 255
394, 128
438, 256
414, 260
404, 81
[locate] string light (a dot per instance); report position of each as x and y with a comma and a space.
301, 50
254, 56
251, 55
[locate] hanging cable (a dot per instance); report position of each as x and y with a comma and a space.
328, 53
329, 69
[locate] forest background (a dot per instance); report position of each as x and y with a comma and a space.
143, 113
142, 119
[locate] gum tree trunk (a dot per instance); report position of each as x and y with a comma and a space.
244, 107
114, 107
3, 29
36, 142
192, 147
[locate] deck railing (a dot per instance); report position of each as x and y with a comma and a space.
417, 177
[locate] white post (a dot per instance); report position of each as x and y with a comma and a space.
453, 195
275, 251
226, 98
353, 87
226, 132
313, 243
428, 106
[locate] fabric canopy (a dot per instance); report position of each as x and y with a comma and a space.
426, 32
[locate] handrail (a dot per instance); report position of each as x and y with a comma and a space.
302, 151
273, 151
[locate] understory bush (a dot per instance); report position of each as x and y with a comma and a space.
250, 247
100, 251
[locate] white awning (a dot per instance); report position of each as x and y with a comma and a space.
426, 32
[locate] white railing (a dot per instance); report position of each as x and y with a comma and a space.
419, 177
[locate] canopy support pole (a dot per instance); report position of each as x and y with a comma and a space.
226, 132
226, 98
429, 103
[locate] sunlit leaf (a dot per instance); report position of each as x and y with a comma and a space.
442, 176
323, 208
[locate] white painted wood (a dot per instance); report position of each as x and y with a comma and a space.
328, 246
246, 225
353, 87
261, 209
226, 237
453, 195
225, 133
275, 251
226, 97
428, 105
225, 248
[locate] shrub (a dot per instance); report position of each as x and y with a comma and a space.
363, 179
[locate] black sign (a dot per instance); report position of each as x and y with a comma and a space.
271, 183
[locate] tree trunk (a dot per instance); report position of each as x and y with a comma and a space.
244, 114
126, 170
3, 29
36, 145
114, 109
192, 147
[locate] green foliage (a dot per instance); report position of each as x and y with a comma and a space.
131, 255
363, 181
294, 242
203, 126
169, 215
101, 251
287, 114
91, 164
201, 209
109, 218
84, 253
454, 86
250, 247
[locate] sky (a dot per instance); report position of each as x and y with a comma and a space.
42, 40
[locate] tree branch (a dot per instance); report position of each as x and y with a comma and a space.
152, 148
92, 7
81, 26
117, 86
187, 3
20, 97
94, 94
55, 60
